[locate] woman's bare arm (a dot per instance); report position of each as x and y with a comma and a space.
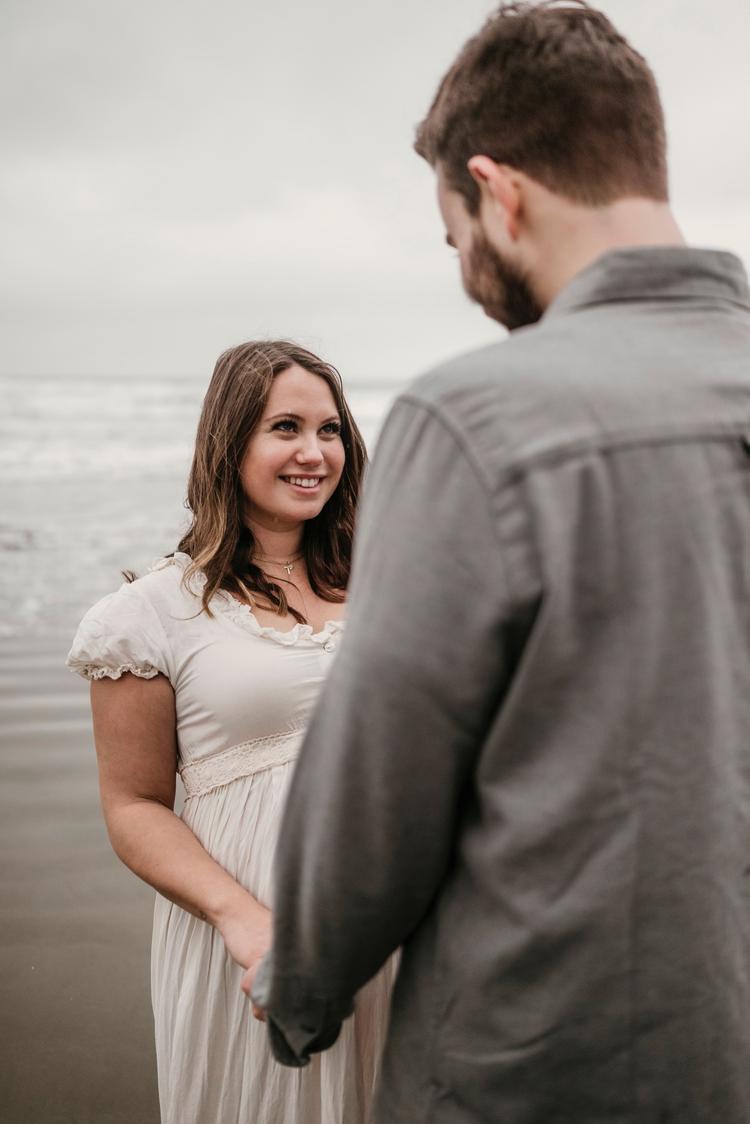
134, 731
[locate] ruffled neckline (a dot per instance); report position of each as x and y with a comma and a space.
241, 614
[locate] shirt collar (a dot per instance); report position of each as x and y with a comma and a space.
654, 273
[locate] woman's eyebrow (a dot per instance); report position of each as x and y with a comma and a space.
298, 417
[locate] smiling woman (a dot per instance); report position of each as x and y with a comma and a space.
210, 665
291, 468
274, 414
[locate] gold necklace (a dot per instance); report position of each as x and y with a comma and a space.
288, 564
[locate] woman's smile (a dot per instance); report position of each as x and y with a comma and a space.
305, 483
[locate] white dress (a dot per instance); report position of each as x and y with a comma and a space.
243, 694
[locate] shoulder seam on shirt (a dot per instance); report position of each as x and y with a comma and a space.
602, 441
456, 433
449, 424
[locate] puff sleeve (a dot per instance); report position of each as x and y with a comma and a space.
120, 633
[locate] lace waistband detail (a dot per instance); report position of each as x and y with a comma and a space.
241, 760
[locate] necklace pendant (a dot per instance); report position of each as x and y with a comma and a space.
288, 566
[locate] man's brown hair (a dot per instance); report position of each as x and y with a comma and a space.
556, 92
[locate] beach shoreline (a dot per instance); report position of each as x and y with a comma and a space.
74, 945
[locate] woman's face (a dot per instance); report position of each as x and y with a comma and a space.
294, 458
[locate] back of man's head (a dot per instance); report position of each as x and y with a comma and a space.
555, 91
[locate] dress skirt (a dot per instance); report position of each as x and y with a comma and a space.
214, 1061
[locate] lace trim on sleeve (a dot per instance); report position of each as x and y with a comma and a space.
91, 671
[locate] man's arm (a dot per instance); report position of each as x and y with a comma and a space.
372, 814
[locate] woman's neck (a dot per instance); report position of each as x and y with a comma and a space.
278, 545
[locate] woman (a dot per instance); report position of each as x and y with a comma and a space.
211, 664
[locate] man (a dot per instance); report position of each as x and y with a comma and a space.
530, 767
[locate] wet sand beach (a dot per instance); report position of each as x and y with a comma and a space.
77, 1039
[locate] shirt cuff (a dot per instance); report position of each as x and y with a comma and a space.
298, 1025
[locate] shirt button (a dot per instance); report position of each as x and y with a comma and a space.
329, 646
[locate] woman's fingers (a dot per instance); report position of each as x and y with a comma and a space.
248, 978
247, 986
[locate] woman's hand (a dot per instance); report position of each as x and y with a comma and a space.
246, 930
248, 981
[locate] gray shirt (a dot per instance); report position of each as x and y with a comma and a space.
530, 766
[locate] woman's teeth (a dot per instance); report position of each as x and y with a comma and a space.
303, 481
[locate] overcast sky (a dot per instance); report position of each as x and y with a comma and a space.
179, 176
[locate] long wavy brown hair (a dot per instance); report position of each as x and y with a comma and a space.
218, 541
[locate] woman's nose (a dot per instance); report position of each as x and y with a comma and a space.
310, 452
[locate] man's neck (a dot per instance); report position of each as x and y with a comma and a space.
578, 236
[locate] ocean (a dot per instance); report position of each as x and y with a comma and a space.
92, 481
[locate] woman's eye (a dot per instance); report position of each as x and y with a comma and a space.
289, 425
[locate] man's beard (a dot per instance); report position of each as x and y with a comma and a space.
501, 288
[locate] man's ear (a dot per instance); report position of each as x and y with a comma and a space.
500, 190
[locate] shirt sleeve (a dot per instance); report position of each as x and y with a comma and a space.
371, 820
121, 633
